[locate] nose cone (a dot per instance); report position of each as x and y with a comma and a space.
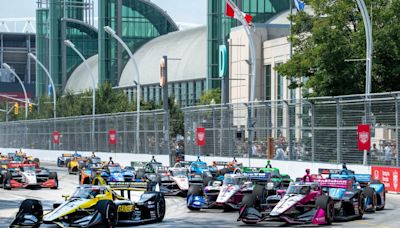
286, 203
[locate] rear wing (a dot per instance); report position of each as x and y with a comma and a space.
66, 155
335, 183
137, 164
256, 176
133, 185
328, 171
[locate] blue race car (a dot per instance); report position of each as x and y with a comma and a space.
114, 173
374, 191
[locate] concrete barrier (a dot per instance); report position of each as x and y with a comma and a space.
293, 168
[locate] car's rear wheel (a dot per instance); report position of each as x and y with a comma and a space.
53, 176
361, 205
7, 181
326, 203
248, 200
108, 212
140, 174
59, 164
371, 194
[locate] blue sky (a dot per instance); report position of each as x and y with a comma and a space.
187, 11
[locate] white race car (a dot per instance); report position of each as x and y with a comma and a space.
174, 181
29, 176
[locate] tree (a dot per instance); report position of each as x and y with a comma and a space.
176, 118
322, 41
209, 95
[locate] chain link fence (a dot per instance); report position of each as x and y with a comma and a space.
318, 129
76, 133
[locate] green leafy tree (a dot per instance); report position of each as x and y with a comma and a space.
322, 41
209, 95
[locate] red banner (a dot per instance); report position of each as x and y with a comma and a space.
112, 137
201, 136
56, 137
364, 137
387, 175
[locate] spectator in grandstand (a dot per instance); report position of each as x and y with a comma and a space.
388, 154
280, 154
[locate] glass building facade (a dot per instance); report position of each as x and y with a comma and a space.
136, 22
219, 25
58, 20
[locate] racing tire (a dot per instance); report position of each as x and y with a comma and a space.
361, 205
160, 209
59, 162
248, 200
31, 207
108, 212
259, 194
207, 180
7, 181
36, 160
53, 175
224, 171
140, 174
382, 206
370, 193
326, 203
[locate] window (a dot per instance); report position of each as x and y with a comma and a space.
267, 73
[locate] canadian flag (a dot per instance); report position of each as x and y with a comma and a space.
231, 13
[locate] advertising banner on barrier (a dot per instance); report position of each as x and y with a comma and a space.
387, 175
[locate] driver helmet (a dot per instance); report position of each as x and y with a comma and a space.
308, 171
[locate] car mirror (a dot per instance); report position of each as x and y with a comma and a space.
65, 196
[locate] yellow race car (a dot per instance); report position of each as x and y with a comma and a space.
126, 203
76, 164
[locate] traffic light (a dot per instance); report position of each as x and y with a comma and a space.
30, 107
16, 108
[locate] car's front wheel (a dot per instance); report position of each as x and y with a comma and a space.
160, 209
108, 212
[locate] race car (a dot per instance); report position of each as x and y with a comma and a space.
227, 194
76, 164
374, 190
110, 173
65, 158
28, 176
301, 203
174, 181
97, 206
349, 201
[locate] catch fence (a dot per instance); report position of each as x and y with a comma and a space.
76, 133
317, 129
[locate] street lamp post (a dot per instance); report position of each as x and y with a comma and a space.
252, 62
368, 71
112, 33
22, 85
69, 44
51, 81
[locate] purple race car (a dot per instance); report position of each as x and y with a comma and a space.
303, 202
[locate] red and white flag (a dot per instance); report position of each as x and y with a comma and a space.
231, 13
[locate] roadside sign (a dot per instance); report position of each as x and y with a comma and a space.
201, 136
364, 137
389, 176
112, 137
56, 137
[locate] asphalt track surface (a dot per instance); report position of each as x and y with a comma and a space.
177, 215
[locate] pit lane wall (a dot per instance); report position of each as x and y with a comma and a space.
293, 168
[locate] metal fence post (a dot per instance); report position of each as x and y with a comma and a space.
338, 138
289, 136
214, 128
397, 128
312, 131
